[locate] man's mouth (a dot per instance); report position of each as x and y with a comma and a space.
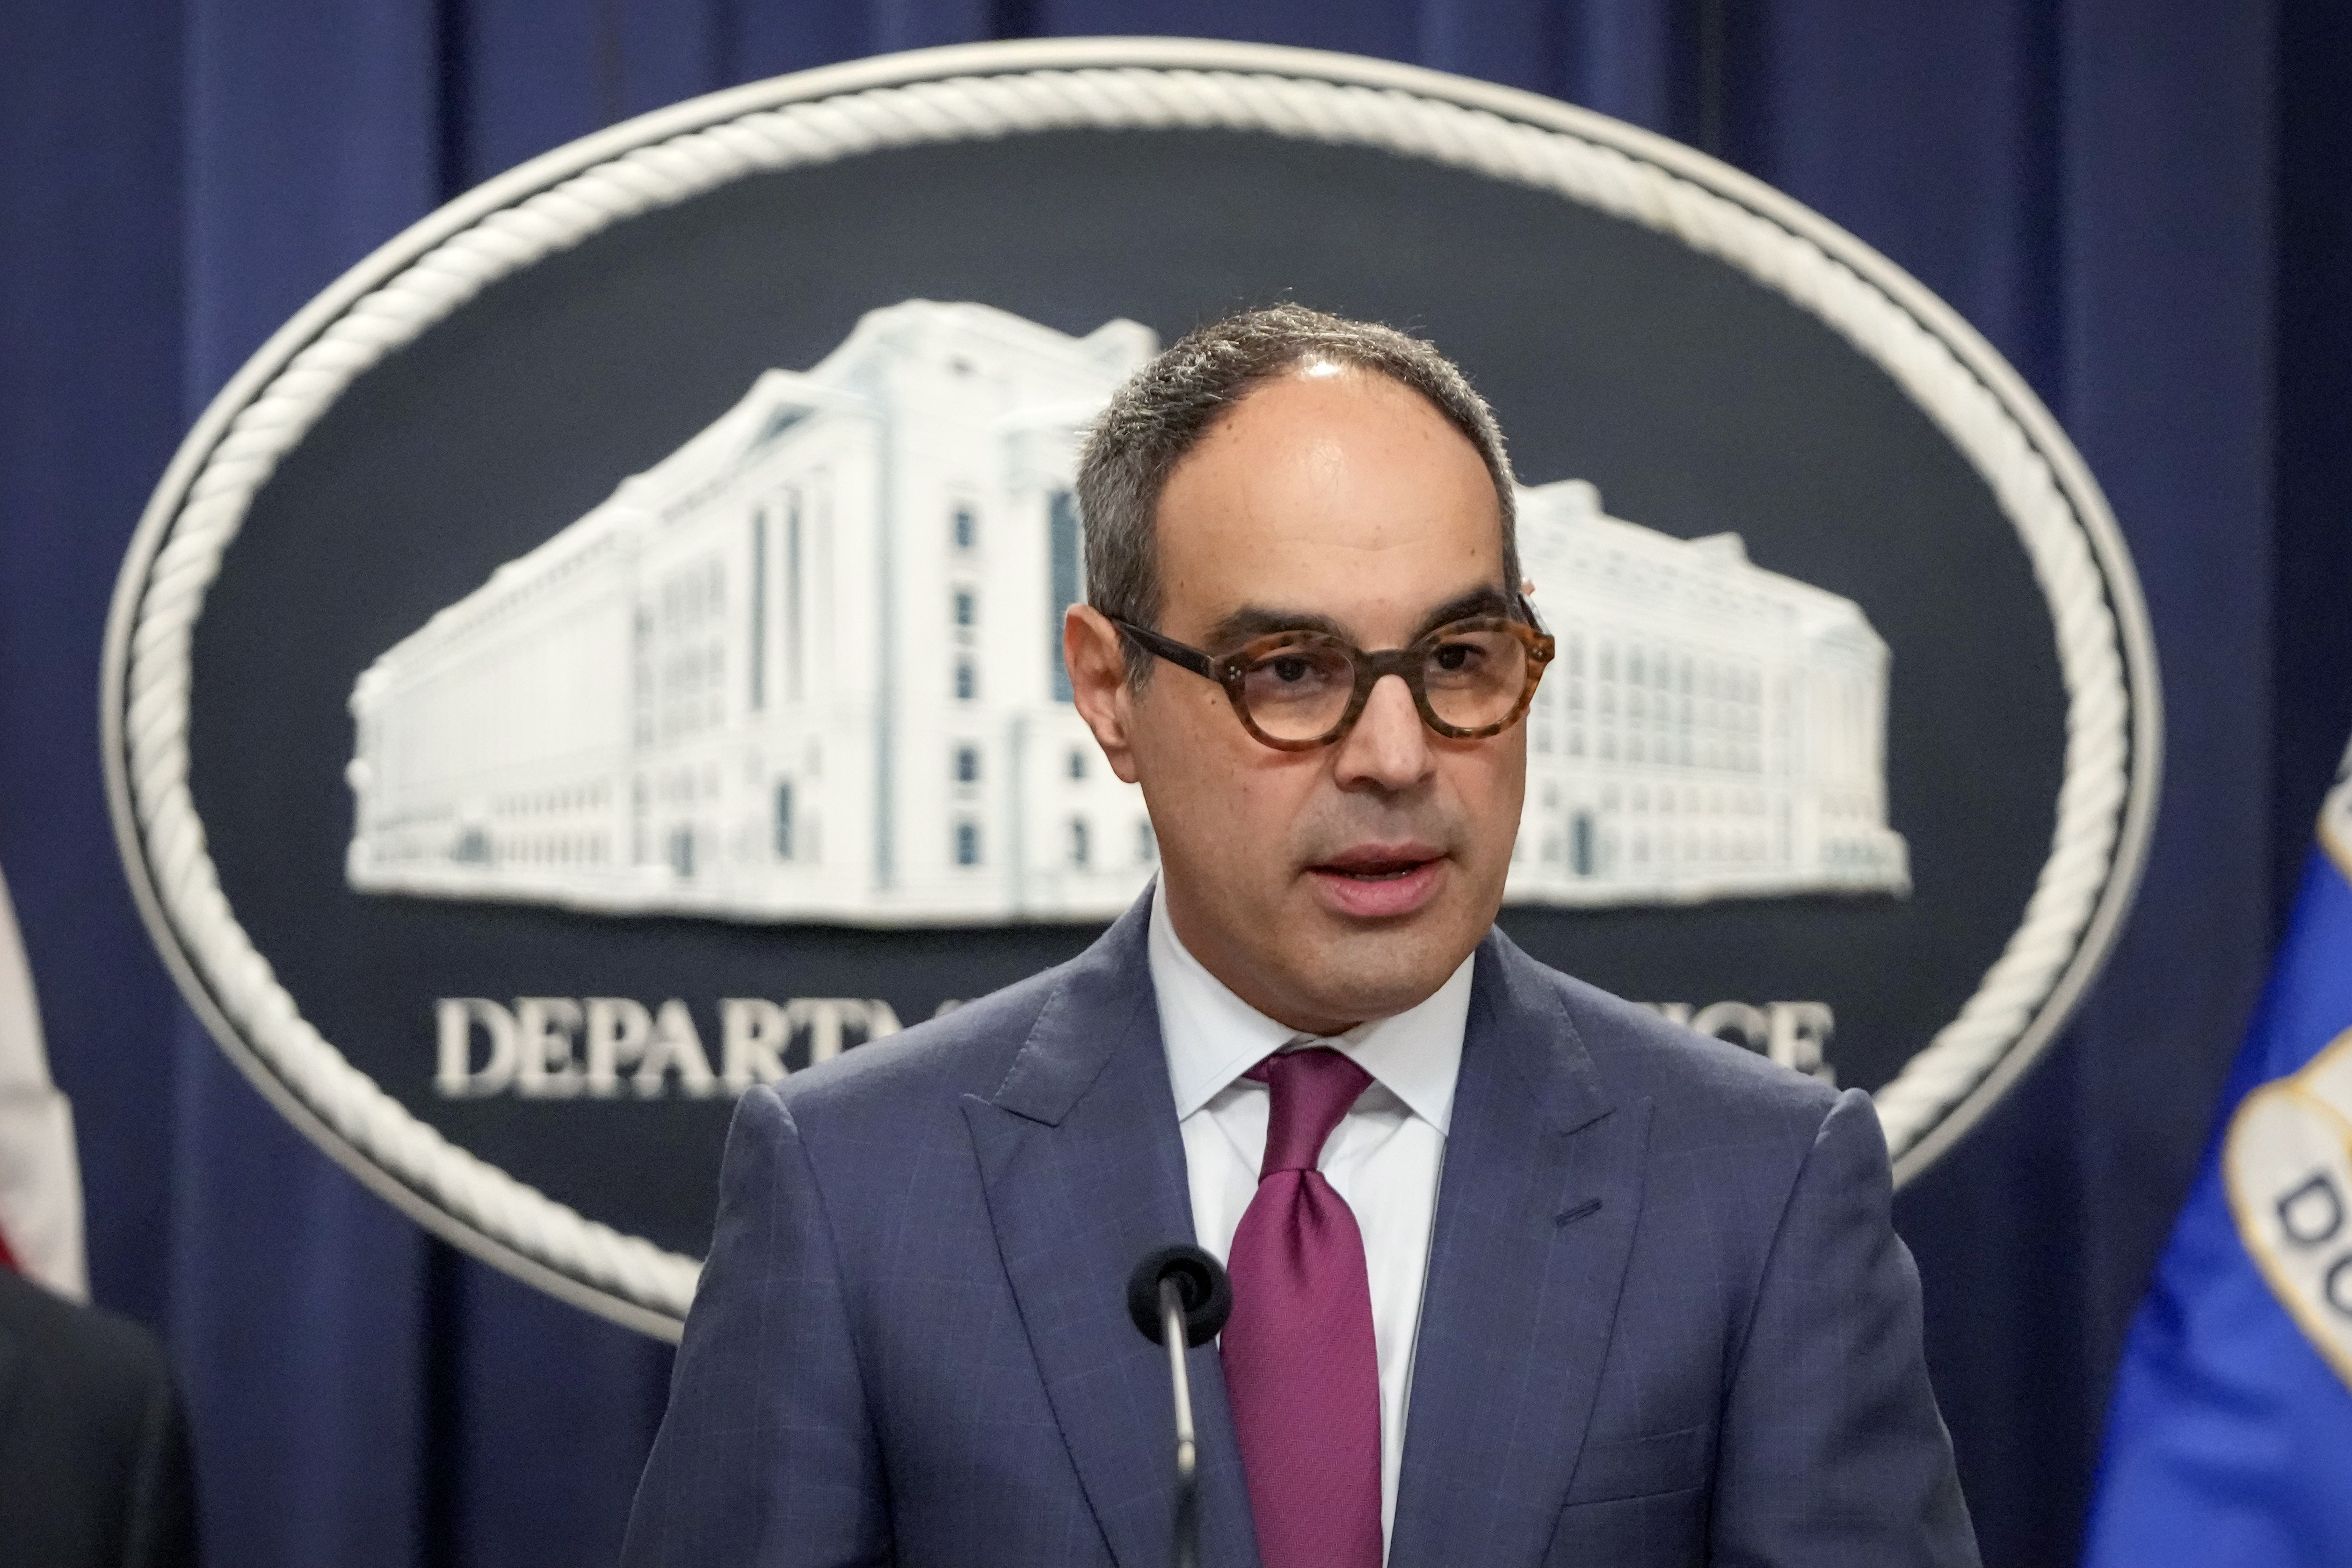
1379, 882
1386, 871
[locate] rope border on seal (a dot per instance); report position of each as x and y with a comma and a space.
1285, 96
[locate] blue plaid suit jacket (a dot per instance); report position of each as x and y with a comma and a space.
1667, 1320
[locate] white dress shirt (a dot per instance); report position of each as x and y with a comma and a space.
1383, 1158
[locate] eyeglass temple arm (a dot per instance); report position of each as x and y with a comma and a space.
1175, 652
1527, 612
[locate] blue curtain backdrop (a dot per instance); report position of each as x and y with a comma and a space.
2147, 206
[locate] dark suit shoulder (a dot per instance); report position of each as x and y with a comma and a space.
968, 1051
93, 1448
103, 1363
1715, 1086
1676, 1059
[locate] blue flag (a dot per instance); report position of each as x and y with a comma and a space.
2230, 1437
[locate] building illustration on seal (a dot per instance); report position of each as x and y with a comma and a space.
807, 668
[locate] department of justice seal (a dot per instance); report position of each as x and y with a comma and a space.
602, 653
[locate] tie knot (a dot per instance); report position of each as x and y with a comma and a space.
1312, 1090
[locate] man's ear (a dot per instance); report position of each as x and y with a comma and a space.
1097, 660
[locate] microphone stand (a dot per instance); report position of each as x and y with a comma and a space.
1179, 1380
1180, 1297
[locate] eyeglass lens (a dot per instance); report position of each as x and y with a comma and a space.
1473, 677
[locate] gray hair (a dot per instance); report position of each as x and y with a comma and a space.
1166, 408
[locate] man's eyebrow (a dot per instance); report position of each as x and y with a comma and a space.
1261, 620
1486, 600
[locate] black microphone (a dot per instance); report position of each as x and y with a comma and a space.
1180, 1297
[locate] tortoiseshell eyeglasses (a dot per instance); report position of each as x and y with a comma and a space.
1298, 690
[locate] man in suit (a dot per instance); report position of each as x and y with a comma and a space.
1522, 1273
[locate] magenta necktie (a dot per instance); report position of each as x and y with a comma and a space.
1301, 1369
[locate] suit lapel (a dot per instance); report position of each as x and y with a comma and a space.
1084, 1170
1541, 1187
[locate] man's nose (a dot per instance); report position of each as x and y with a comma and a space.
1389, 748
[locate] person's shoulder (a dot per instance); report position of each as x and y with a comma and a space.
97, 1361
964, 1052
1639, 1054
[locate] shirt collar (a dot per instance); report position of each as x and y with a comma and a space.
1212, 1037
